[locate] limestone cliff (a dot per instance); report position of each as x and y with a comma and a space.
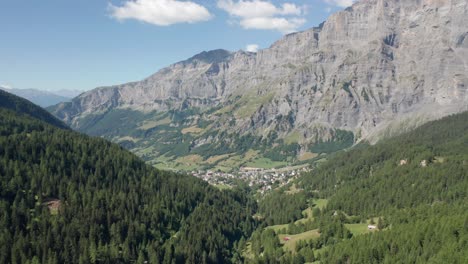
365, 68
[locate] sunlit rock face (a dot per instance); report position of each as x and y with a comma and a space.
369, 66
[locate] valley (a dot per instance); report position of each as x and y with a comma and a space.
342, 143
190, 140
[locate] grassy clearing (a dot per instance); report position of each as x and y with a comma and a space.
293, 189
277, 228
293, 239
126, 138
225, 110
215, 159
237, 160
152, 124
222, 168
294, 137
265, 163
307, 156
250, 103
144, 151
250, 154
320, 203
192, 130
190, 159
188, 163
290, 168
358, 229
231, 162
307, 213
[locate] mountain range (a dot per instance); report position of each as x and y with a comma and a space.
70, 198
43, 98
374, 70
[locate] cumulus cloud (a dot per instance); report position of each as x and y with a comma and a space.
252, 48
341, 3
261, 14
279, 23
161, 12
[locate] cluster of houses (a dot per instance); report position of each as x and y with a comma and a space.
262, 179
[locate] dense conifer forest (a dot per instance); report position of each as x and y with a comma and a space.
23, 107
69, 198
411, 190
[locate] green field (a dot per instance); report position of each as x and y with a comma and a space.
277, 228
358, 229
320, 203
265, 163
291, 244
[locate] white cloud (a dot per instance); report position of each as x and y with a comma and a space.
282, 24
161, 12
261, 14
252, 48
341, 3
257, 8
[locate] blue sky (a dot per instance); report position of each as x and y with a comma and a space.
83, 44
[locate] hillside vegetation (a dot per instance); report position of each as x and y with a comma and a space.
69, 198
168, 139
24, 107
412, 190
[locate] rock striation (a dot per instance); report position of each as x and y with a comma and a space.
377, 63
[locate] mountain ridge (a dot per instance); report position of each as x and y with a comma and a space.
360, 71
43, 98
22, 106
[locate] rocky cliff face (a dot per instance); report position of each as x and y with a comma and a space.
366, 67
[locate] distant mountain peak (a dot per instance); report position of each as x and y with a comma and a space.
212, 56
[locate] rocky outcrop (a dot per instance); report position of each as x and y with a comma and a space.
368, 66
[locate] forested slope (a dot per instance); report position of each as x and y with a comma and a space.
25, 107
416, 184
69, 198
425, 166
403, 200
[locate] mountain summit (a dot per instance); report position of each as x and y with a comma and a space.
375, 67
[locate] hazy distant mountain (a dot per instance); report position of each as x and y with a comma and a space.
378, 67
67, 93
43, 98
